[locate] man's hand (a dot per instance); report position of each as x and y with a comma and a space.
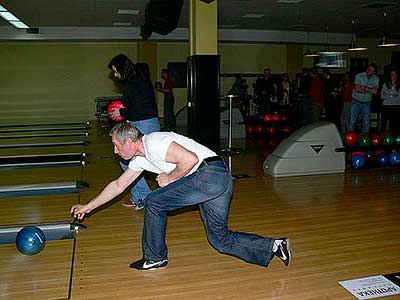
163, 179
79, 211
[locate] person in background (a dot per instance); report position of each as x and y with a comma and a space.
345, 92
303, 87
316, 94
169, 101
239, 88
391, 103
333, 105
140, 110
366, 84
285, 90
265, 92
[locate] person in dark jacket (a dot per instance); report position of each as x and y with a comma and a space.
140, 110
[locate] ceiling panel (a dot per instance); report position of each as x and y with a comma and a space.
309, 15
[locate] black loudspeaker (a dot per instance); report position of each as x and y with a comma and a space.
161, 16
177, 70
203, 99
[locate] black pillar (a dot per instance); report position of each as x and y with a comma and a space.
203, 99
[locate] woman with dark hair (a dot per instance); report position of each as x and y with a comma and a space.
391, 103
140, 110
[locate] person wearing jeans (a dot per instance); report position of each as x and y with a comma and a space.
366, 84
188, 174
140, 108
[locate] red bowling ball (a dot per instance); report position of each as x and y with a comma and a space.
259, 129
250, 129
267, 118
350, 138
376, 140
276, 117
286, 130
117, 104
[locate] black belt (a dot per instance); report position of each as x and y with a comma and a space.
212, 158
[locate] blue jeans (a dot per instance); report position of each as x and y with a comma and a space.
141, 189
365, 110
211, 187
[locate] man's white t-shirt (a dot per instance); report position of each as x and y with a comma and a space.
156, 145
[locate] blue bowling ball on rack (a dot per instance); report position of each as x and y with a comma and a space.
394, 158
382, 159
30, 240
358, 161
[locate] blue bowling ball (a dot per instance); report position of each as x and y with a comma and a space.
382, 159
394, 158
30, 240
358, 161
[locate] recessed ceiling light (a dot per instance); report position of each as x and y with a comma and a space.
122, 23
19, 24
128, 11
253, 16
8, 16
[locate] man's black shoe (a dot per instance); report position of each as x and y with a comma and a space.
144, 264
284, 251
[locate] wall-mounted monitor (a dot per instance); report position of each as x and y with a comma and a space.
332, 59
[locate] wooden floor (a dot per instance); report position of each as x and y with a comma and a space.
342, 227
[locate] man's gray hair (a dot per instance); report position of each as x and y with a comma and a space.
125, 130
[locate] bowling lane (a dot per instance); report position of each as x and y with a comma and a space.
43, 276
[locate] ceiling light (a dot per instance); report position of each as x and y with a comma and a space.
353, 46
8, 16
128, 11
253, 16
384, 43
19, 24
13, 20
308, 53
122, 23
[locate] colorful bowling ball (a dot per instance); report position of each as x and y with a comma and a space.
376, 140
259, 129
117, 104
271, 130
397, 140
276, 117
358, 161
350, 138
286, 129
250, 129
267, 118
388, 140
394, 158
30, 240
382, 159
364, 140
